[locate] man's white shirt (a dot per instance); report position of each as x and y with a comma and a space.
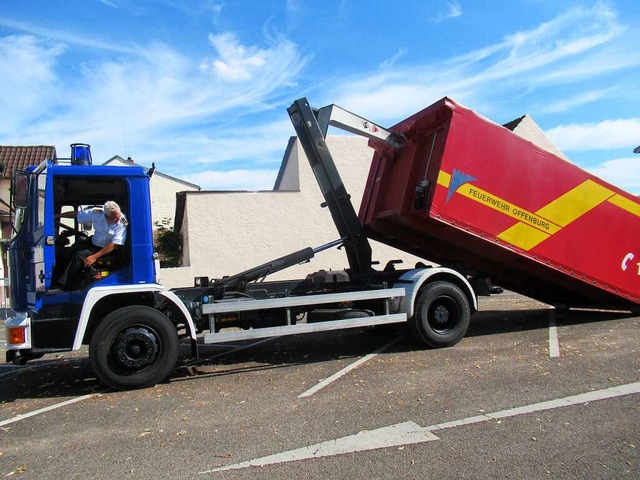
105, 232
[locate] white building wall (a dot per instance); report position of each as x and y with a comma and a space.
163, 198
529, 130
290, 179
5, 183
227, 232
163, 192
5, 234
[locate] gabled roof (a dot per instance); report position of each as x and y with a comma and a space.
18, 158
285, 164
129, 162
514, 123
528, 129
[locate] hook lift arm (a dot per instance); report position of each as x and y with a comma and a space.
311, 126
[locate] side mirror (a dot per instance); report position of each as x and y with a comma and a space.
21, 190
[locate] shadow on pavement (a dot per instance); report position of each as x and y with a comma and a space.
492, 322
48, 378
73, 376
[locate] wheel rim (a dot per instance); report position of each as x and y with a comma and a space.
135, 348
443, 315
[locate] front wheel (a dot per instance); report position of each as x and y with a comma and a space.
134, 347
441, 315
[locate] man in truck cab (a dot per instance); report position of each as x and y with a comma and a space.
110, 232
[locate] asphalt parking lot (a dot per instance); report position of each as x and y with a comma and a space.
529, 393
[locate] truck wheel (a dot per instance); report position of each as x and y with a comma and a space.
441, 316
134, 347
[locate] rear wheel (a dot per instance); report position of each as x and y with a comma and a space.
441, 315
134, 347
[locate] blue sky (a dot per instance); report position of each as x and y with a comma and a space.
201, 87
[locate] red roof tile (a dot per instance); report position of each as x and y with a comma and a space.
18, 158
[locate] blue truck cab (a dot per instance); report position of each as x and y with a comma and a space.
40, 240
121, 283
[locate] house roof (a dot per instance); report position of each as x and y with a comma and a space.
514, 123
285, 163
128, 161
528, 129
18, 158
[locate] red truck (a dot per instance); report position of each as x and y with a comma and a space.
469, 193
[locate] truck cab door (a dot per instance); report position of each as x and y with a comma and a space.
28, 247
42, 229
42, 244
19, 249
43, 234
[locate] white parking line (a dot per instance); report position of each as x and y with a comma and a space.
346, 370
408, 433
554, 345
47, 409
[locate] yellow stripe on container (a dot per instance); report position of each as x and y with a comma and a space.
575, 203
534, 228
444, 179
523, 236
496, 203
625, 204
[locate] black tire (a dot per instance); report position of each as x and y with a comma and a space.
441, 315
134, 347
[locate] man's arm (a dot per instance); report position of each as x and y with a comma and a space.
69, 214
91, 259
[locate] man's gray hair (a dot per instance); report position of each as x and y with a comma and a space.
111, 208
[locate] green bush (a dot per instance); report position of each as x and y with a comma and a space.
167, 244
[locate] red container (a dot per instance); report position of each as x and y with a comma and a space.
468, 193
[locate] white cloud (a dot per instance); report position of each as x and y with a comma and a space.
293, 9
242, 179
235, 147
63, 37
264, 143
619, 133
27, 80
453, 10
622, 172
235, 62
157, 101
114, 3
570, 102
570, 48
390, 62
160, 104
530, 52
